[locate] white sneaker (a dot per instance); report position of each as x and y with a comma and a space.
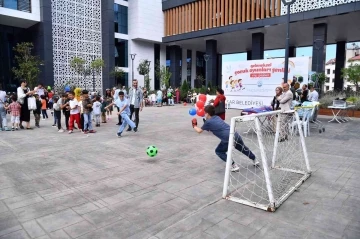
61, 131
256, 163
234, 168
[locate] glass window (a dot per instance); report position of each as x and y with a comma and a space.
12, 4
121, 19
328, 71
188, 60
121, 53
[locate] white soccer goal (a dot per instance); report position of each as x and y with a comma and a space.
277, 141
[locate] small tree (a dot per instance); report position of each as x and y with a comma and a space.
77, 65
164, 74
352, 74
144, 69
117, 73
27, 64
96, 66
184, 89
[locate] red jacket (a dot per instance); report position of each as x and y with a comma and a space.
218, 99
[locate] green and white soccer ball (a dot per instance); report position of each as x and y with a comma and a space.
151, 151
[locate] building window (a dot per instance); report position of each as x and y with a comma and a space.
333, 80
327, 88
121, 53
188, 61
333, 71
121, 19
328, 71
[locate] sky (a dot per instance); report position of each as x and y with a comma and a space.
302, 51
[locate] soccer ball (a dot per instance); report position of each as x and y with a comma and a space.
151, 151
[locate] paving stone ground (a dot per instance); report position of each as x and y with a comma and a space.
55, 185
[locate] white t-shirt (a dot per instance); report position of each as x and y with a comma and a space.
133, 96
313, 96
81, 107
97, 108
74, 103
159, 95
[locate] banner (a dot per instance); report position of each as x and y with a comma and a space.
255, 81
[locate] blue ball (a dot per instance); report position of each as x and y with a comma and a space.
192, 111
67, 88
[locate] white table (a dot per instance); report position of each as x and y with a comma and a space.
340, 113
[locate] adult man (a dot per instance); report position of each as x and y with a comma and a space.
304, 94
314, 95
221, 130
136, 101
285, 100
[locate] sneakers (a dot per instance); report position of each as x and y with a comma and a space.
92, 131
54, 125
70, 131
118, 135
129, 129
12, 128
135, 129
16, 128
256, 163
85, 132
234, 168
61, 131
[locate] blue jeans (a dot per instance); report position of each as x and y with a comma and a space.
3, 116
87, 121
222, 148
126, 121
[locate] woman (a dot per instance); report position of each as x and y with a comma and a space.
23, 94
219, 103
275, 102
145, 97
177, 94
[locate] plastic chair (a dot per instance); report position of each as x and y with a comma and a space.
305, 115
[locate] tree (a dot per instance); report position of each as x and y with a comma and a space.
97, 65
77, 65
163, 73
352, 74
117, 73
27, 64
144, 69
184, 90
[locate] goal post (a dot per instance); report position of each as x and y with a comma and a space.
277, 141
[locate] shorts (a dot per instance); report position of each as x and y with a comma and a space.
159, 101
15, 119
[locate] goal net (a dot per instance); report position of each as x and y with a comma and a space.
277, 141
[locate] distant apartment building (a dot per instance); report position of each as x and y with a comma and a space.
352, 57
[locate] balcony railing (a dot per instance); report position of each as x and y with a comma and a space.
205, 14
20, 5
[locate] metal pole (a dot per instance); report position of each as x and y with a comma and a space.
286, 67
132, 69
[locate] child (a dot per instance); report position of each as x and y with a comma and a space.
87, 104
124, 111
103, 110
57, 113
81, 107
43, 107
37, 112
159, 97
221, 130
74, 112
14, 109
66, 109
97, 110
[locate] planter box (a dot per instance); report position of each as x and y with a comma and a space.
352, 113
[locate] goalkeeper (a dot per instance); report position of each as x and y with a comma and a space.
221, 130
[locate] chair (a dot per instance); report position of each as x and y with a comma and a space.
305, 115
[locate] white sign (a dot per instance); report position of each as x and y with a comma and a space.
247, 83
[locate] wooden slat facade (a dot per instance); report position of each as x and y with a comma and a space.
204, 14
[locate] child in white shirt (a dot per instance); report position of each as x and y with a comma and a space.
74, 112
97, 111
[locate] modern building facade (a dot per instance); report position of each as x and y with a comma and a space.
188, 36
90, 29
215, 27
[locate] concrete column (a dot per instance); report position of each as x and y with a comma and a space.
249, 53
108, 43
175, 57
219, 73
319, 47
292, 51
339, 64
257, 49
193, 68
183, 65
211, 64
